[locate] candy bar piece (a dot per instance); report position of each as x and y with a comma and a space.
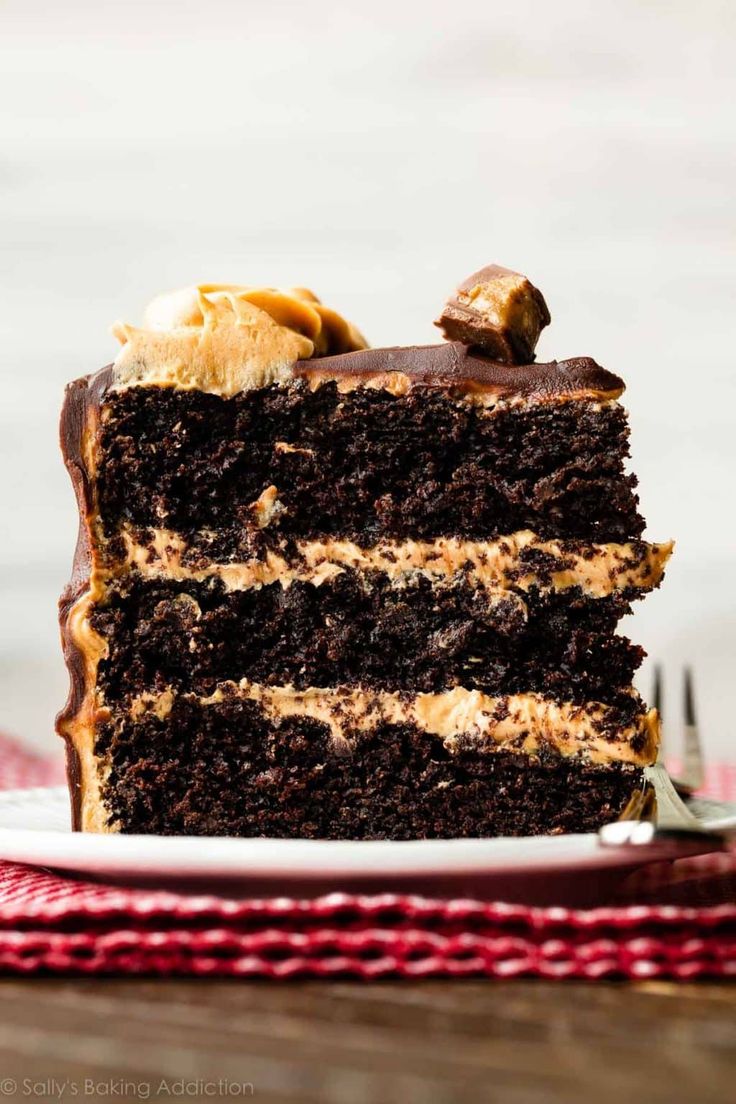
498, 312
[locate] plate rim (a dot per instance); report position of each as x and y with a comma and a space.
229, 857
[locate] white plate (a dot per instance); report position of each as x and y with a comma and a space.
34, 829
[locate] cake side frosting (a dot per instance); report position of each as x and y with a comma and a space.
83, 648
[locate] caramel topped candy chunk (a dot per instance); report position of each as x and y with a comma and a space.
498, 312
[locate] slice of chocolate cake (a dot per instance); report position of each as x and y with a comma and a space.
327, 591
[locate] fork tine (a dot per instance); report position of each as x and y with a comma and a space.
657, 688
693, 761
688, 697
692, 770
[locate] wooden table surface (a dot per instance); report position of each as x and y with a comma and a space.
356, 1043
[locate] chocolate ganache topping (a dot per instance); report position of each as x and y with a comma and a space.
454, 366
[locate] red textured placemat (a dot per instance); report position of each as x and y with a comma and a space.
676, 921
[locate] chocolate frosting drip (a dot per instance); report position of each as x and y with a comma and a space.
81, 404
452, 365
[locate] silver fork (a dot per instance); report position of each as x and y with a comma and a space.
667, 807
692, 771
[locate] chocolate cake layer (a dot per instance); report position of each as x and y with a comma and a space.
362, 628
363, 465
227, 769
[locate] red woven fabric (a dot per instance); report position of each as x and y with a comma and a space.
676, 921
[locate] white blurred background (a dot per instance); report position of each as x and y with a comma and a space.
378, 153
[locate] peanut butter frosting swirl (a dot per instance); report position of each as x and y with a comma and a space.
227, 338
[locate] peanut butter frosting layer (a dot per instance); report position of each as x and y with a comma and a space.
520, 561
225, 338
528, 724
